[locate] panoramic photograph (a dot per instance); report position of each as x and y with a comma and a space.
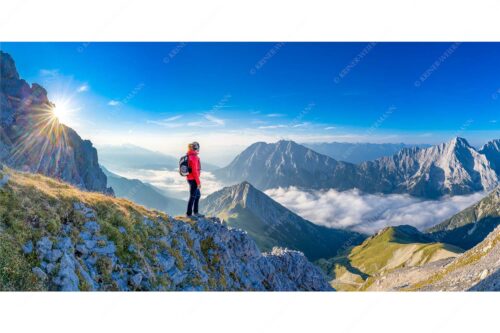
249, 166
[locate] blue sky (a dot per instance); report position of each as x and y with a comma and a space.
227, 95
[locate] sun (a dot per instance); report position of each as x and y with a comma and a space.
63, 111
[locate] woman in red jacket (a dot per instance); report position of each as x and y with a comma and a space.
193, 179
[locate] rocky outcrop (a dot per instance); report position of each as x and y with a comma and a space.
451, 168
33, 140
104, 243
205, 255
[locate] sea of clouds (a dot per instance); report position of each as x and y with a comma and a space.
369, 213
170, 182
351, 209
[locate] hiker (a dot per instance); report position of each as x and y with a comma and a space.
193, 179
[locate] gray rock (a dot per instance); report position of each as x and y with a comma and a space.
64, 243
148, 222
44, 247
40, 273
49, 268
4, 180
54, 255
85, 235
90, 244
136, 280
67, 279
28, 247
66, 228
109, 248
92, 227
81, 248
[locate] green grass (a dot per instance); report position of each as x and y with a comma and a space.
15, 267
370, 259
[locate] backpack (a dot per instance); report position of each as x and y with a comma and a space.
184, 168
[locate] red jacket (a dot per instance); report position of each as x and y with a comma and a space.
195, 165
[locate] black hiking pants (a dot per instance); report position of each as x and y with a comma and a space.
194, 198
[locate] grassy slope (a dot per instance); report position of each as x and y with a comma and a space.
390, 249
33, 206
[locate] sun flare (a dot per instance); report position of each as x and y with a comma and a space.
63, 111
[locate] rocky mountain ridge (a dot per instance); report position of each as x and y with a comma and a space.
451, 168
356, 153
64, 239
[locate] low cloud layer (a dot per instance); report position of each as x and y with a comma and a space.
369, 213
170, 182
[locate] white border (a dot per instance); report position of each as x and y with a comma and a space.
256, 20
249, 312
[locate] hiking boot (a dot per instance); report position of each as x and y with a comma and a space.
199, 215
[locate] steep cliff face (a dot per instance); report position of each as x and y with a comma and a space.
32, 139
66, 239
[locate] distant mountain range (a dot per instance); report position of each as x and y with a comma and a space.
270, 224
31, 138
358, 152
144, 194
125, 157
451, 168
472, 225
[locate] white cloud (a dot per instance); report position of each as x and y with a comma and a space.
369, 213
274, 115
215, 120
272, 126
301, 125
172, 118
48, 72
330, 128
113, 102
167, 122
84, 87
211, 121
